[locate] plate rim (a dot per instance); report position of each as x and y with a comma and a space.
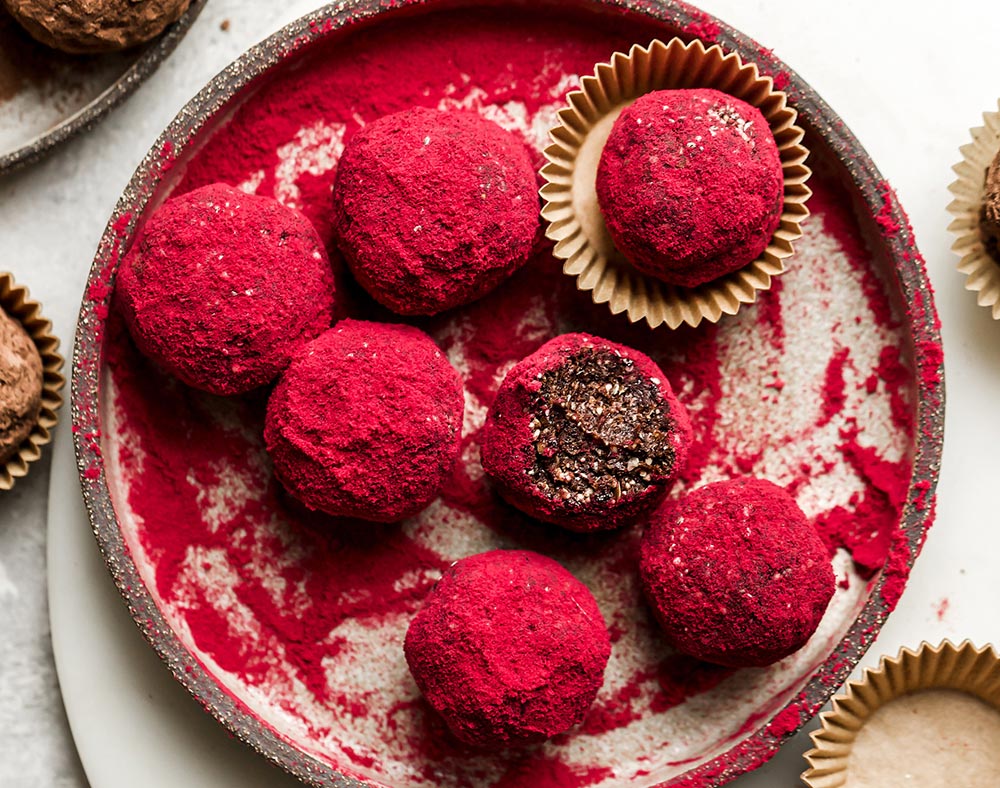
124, 86
922, 325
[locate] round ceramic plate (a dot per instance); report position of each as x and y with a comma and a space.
288, 628
47, 96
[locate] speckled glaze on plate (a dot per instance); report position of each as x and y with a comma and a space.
75, 93
803, 687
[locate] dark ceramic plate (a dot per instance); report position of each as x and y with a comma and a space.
288, 630
47, 96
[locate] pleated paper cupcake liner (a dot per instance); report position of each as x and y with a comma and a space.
981, 270
963, 668
570, 200
16, 302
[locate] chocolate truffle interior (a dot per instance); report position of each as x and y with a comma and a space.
599, 428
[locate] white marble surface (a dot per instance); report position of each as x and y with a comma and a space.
908, 82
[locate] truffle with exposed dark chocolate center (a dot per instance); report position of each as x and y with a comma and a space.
585, 433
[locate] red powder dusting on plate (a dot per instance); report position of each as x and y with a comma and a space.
833, 385
681, 677
897, 569
866, 529
884, 217
941, 608
545, 772
703, 27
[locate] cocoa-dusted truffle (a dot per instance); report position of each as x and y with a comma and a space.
585, 433
90, 26
366, 422
509, 648
690, 185
735, 573
223, 288
989, 217
20, 385
434, 209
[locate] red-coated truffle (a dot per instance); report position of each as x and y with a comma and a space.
434, 209
223, 288
735, 573
509, 648
585, 433
366, 422
690, 185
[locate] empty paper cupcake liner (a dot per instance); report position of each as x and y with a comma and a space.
570, 200
981, 270
16, 303
964, 668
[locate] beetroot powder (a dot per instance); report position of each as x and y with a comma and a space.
509, 648
365, 423
433, 209
302, 620
223, 288
736, 574
585, 433
690, 185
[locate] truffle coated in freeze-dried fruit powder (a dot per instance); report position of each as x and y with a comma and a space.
366, 422
585, 433
222, 288
433, 209
509, 648
735, 573
690, 185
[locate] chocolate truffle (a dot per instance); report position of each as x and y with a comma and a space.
20, 386
90, 26
690, 185
223, 288
434, 209
735, 573
366, 422
989, 217
585, 433
509, 649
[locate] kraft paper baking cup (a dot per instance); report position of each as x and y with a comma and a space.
982, 271
964, 668
16, 302
570, 201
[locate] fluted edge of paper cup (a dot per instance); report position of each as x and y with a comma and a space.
965, 667
614, 86
16, 302
982, 272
